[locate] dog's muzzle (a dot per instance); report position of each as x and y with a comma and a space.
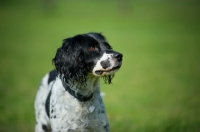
107, 65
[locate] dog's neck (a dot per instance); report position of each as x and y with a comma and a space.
85, 91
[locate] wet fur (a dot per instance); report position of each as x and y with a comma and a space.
55, 108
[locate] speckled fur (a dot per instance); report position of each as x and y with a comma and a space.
66, 112
78, 67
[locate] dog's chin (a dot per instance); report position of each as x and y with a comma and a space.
109, 71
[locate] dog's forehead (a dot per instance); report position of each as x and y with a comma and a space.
103, 45
106, 45
101, 40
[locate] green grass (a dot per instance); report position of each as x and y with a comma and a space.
156, 90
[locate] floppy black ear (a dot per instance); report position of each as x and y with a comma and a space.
69, 62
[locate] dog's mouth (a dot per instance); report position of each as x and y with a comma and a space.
103, 72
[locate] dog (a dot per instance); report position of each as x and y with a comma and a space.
68, 98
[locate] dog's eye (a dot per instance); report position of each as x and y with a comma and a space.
92, 48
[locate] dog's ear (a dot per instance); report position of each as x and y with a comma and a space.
69, 61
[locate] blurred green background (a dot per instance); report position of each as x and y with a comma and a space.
156, 90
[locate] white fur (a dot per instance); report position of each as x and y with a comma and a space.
98, 65
69, 113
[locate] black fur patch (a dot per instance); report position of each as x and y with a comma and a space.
47, 104
52, 76
44, 127
106, 127
105, 63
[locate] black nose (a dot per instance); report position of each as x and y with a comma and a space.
118, 56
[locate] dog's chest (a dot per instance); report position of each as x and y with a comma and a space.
67, 113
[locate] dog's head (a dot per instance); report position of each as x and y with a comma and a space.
86, 54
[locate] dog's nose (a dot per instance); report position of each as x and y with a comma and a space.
118, 56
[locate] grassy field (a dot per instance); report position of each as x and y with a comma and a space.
158, 86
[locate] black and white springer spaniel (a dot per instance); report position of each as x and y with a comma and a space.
68, 99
